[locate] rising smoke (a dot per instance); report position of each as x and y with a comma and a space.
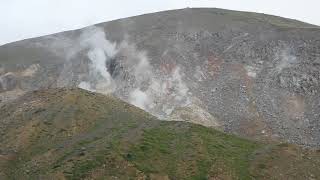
100, 51
132, 78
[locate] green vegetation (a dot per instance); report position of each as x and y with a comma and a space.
169, 150
82, 135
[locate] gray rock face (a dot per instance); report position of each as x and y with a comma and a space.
256, 75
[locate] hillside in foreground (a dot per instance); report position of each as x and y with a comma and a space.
75, 134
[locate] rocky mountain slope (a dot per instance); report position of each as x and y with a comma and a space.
76, 134
250, 74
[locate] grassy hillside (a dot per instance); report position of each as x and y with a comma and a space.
75, 134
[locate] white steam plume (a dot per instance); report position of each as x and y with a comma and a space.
100, 51
137, 82
139, 98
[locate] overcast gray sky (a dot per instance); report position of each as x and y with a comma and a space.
22, 19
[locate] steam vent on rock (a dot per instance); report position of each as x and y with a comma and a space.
71, 104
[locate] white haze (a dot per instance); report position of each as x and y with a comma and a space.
100, 51
139, 98
144, 86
